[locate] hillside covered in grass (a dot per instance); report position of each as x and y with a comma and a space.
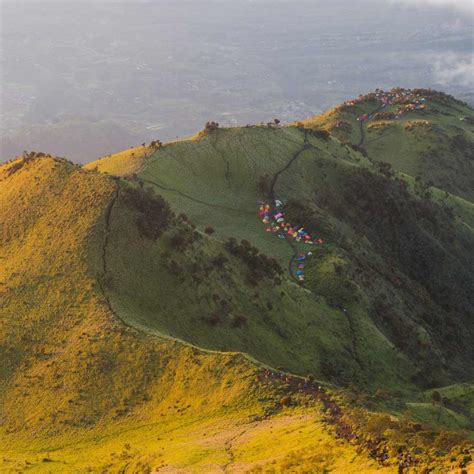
150, 321
397, 255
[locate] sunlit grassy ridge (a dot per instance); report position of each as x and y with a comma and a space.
82, 392
126, 161
106, 307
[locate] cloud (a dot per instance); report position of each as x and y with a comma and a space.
454, 69
464, 6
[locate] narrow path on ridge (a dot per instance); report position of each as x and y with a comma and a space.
187, 196
105, 243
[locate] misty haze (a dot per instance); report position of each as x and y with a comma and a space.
83, 80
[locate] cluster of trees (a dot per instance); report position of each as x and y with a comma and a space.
183, 238
320, 133
155, 144
223, 312
260, 266
215, 318
35, 154
211, 126
154, 212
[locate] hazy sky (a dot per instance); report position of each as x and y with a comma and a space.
466, 6
82, 78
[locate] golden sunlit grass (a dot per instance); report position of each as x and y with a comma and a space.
123, 163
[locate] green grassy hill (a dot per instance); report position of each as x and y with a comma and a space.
396, 285
434, 143
141, 310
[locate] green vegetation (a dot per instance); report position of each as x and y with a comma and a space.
139, 309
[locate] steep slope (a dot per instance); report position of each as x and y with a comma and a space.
81, 392
392, 331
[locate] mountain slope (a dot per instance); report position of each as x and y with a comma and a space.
433, 142
389, 334
80, 391
128, 302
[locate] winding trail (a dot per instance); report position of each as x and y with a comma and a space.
292, 245
224, 159
305, 146
187, 196
105, 244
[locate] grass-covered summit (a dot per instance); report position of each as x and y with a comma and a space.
145, 309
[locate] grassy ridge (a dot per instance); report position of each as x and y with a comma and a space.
82, 392
82, 253
434, 143
387, 338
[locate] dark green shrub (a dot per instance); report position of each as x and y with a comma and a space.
154, 213
239, 321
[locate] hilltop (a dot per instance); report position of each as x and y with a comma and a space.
146, 305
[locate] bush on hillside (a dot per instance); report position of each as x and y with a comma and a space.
260, 266
211, 126
239, 321
213, 319
182, 239
321, 133
285, 401
359, 148
173, 267
263, 185
385, 169
154, 212
156, 144
219, 261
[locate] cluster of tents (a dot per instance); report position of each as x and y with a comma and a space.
408, 100
302, 256
274, 219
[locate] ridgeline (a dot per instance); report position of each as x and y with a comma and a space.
148, 320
